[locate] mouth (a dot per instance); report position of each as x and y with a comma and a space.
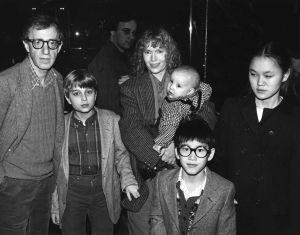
190, 165
85, 105
154, 65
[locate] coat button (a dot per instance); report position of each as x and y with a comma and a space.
271, 132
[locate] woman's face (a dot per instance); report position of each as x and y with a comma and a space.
266, 77
156, 60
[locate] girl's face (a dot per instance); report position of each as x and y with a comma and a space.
266, 78
156, 60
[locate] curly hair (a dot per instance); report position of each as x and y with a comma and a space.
158, 37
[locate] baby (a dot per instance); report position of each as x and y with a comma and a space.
185, 95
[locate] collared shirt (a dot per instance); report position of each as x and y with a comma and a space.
36, 81
197, 190
84, 146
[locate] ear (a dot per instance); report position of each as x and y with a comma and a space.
112, 34
69, 101
95, 95
191, 91
26, 45
286, 75
211, 155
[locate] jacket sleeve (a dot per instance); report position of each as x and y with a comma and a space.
136, 134
157, 226
122, 159
227, 217
208, 113
171, 117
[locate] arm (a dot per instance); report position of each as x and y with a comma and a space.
157, 225
227, 217
122, 160
208, 113
135, 132
172, 113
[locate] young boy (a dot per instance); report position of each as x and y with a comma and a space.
93, 157
185, 95
193, 199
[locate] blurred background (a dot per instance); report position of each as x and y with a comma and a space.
215, 36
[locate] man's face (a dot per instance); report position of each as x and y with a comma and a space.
124, 36
44, 58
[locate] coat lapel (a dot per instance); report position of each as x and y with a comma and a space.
208, 199
105, 135
170, 194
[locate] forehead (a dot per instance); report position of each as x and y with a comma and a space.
45, 34
194, 143
264, 63
152, 45
131, 25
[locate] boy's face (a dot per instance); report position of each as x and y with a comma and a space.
193, 165
82, 99
181, 84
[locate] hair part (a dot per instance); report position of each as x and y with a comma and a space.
191, 73
155, 37
79, 78
193, 127
41, 21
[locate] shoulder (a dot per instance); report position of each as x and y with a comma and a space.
10, 73
104, 113
136, 81
167, 175
219, 182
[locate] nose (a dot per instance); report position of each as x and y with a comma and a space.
45, 48
83, 97
193, 156
260, 81
153, 57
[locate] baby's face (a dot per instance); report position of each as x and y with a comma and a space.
181, 84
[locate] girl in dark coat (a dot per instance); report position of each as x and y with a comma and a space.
258, 143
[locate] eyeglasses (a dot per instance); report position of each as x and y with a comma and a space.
186, 151
39, 43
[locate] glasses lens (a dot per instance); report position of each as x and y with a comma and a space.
201, 152
37, 44
184, 151
53, 44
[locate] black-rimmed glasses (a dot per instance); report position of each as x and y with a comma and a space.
39, 43
200, 152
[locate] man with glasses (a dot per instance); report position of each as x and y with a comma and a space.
31, 133
111, 65
193, 199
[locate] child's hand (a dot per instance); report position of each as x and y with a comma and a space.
55, 218
169, 154
132, 190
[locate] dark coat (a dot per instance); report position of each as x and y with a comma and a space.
261, 159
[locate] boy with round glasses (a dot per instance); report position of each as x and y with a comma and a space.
193, 199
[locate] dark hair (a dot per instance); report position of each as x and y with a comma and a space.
121, 15
158, 37
193, 127
81, 78
190, 71
278, 53
40, 21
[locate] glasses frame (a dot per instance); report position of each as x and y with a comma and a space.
193, 150
59, 42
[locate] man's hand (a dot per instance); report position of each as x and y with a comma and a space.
169, 154
55, 218
132, 190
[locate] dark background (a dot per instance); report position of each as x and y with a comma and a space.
233, 28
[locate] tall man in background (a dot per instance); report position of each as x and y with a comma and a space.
111, 65
31, 130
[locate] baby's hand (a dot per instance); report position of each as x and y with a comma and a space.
132, 190
159, 149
